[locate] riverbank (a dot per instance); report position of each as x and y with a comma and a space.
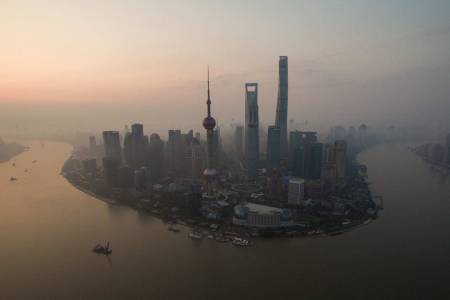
173, 209
9, 151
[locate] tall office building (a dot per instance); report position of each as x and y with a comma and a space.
295, 140
128, 149
197, 165
315, 161
217, 147
178, 153
125, 177
156, 157
111, 171
340, 157
209, 123
305, 161
282, 105
251, 129
310, 136
338, 133
111, 142
239, 141
138, 144
273, 146
298, 161
173, 146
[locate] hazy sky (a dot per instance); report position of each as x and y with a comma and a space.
123, 61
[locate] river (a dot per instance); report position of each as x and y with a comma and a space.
48, 228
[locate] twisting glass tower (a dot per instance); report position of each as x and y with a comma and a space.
209, 123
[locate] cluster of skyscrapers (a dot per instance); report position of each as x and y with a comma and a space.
277, 146
296, 167
296, 155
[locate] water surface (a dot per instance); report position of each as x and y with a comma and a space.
48, 228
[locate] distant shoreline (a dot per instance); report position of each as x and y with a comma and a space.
9, 151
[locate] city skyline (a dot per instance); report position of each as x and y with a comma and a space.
240, 149
64, 62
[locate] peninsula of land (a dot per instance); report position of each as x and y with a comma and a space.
9, 150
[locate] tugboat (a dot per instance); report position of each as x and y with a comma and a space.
105, 250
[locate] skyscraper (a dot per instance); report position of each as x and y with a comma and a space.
306, 155
251, 128
340, 156
315, 162
273, 146
209, 123
156, 157
295, 140
282, 105
197, 165
137, 146
239, 141
111, 142
110, 170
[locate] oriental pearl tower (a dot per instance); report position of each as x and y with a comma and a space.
209, 123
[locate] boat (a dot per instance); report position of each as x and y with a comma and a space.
195, 235
173, 229
14, 164
314, 232
34, 161
13, 178
240, 242
26, 170
100, 249
222, 239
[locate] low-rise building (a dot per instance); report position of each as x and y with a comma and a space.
296, 192
257, 215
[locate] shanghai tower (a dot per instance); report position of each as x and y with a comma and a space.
282, 105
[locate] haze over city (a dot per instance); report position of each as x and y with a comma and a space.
224, 149
107, 63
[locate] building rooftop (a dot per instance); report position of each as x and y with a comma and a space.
297, 180
262, 209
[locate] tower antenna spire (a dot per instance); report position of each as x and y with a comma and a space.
208, 102
209, 123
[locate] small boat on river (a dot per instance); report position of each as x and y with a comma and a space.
195, 235
240, 242
100, 249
